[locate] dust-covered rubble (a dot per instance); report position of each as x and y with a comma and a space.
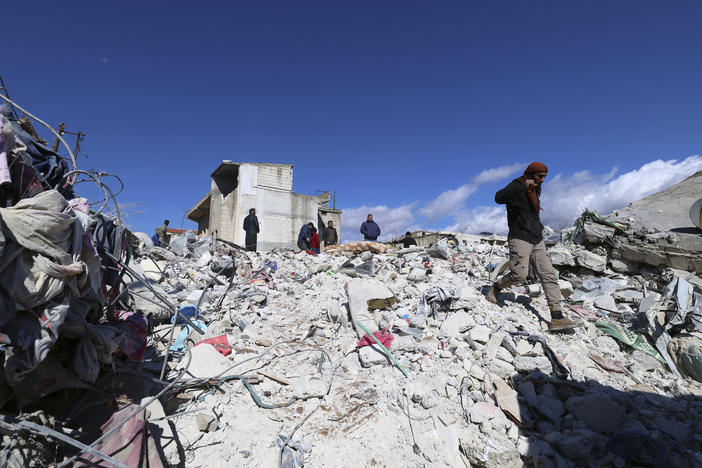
486, 385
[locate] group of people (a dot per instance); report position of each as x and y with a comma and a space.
525, 240
308, 238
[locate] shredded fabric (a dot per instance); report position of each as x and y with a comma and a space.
384, 336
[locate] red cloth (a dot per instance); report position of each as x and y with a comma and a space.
534, 192
384, 336
314, 241
535, 167
220, 343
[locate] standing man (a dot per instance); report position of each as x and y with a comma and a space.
252, 230
369, 229
408, 240
305, 236
330, 235
162, 233
525, 241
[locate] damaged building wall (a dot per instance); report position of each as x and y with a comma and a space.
659, 229
238, 187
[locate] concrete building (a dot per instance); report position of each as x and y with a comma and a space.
237, 187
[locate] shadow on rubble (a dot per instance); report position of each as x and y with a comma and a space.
569, 423
687, 230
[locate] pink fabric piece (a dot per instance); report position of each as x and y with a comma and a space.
80, 204
384, 336
4, 169
135, 328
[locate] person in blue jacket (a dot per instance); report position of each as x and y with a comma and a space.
305, 236
370, 229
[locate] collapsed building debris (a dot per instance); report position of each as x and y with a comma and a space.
119, 353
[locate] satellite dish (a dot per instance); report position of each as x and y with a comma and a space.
696, 213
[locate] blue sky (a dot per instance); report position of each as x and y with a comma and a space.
391, 104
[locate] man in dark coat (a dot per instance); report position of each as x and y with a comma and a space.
369, 229
330, 235
408, 241
525, 241
252, 230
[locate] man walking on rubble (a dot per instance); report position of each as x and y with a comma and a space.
162, 234
305, 236
369, 229
330, 235
252, 230
525, 241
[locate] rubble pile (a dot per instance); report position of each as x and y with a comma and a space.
297, 378
119, 353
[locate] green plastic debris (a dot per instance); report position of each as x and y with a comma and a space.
389, 354
628, 338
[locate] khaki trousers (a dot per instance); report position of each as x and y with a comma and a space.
520, 252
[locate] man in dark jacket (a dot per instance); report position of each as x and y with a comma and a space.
330, 235
370, 230
408, 241
305, 236
252, 230
525, 240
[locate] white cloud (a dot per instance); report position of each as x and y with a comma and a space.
104, 60
453, 200
480, 219
392, 221
498, 173
565, 197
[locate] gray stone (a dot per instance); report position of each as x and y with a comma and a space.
596, 233
502, 368
480, 333
503, 354
206, 421
456, 323
482, 411
371, 356
524, 347
495, 451
493, 345
206, 363
628, 295
527, 364
566, 288
404, 343
561, 256
417, 275
599, 412
591, 261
